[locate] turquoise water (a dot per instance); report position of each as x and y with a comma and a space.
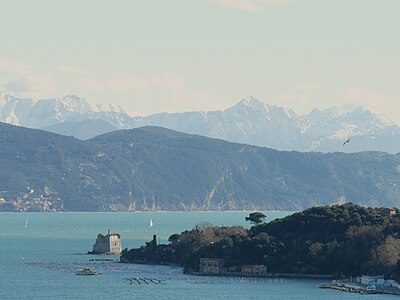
39, 261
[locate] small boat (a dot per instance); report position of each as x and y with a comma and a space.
87, 271
26, 223
151, 223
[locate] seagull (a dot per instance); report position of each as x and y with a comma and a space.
346, 142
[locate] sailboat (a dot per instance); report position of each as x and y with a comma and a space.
151, 223
26, 223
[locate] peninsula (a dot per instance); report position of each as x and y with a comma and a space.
335, 241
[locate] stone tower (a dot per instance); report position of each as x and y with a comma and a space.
107, 244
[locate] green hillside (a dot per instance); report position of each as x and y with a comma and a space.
340, 240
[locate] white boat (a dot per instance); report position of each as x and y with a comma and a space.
26, 223
87, 271
151, 223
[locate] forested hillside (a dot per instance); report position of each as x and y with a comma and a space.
339, 240
159, 169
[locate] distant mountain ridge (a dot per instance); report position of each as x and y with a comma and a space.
249, 121
82, 130
153, 168
48, 112
255, 123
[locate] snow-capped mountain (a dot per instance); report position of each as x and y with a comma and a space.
323, 130
253, 122
249, 121
47, 112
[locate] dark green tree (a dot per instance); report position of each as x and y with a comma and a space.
174, 238
256, 218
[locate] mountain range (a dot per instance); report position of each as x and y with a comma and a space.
249, 121
153, 168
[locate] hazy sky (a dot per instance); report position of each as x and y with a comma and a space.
176, 55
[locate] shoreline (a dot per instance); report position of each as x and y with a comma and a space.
237, 274
268, 275
358, 288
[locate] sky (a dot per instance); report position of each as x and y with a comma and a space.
151, 56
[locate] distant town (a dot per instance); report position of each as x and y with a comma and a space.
40, 204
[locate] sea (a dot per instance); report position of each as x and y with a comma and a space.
40, 253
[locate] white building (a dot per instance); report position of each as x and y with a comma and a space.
371, 280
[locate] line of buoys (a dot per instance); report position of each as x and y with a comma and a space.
139, 280
155, 280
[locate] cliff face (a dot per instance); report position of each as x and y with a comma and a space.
152, 168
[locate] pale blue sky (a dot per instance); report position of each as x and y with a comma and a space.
177, 55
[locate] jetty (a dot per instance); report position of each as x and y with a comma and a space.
365, 285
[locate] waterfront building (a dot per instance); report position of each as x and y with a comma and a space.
212, 265
254, 270
369, 280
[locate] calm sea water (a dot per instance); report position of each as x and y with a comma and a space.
39, 261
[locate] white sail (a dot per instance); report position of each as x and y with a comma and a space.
151, 223
26, 223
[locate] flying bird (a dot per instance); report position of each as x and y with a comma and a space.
346, 142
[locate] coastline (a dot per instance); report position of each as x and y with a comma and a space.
358, 288
334, 285
237, 274
267, 275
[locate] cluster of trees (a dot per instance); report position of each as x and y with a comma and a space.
186, 248
344, 240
